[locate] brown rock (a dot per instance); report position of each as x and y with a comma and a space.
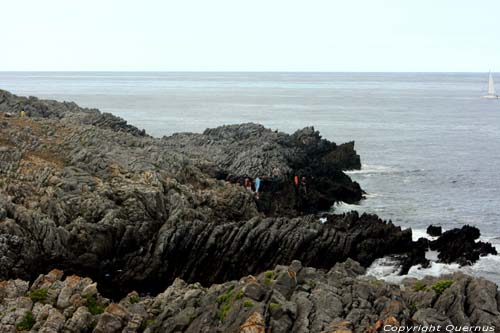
254, 324
118, 311
391, 321
339, 326
72, 280
54, 275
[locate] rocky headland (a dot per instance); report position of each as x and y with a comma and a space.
86, 193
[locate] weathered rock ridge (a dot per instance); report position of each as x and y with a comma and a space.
285, 299
233, 152
88, 193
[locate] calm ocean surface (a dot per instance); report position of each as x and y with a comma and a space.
430, 147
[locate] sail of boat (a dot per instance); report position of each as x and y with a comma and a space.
491, 89
491, 86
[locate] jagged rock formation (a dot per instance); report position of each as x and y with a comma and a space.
233, 152
286, 299
87, 193
96, 197
460, 245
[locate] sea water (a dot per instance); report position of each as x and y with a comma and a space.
430, 147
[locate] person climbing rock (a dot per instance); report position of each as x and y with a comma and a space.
275, 179
248, 184
303, 185
257, 186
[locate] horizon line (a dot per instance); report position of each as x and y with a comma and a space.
233, 71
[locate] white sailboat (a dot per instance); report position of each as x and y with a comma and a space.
491, 89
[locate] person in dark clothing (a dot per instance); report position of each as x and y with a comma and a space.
248, 184
303, 185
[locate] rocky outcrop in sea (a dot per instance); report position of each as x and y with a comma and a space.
86, 193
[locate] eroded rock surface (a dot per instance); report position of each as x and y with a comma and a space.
285, 299
85, 192
233, 152
460, 245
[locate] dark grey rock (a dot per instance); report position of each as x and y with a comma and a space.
435, 231
90, 194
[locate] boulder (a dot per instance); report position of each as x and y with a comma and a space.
434, 231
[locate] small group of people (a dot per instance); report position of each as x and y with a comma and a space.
252, 185
300, 184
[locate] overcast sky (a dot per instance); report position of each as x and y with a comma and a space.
251, 35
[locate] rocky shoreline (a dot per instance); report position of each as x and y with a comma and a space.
286, 299
85, 192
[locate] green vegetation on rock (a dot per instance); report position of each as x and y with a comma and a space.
145, 324
248, 304
224, 309
239, 294
268, 277
225, 303
440, 286
419, 286
27, 323
413, 307
94, 307
274, 306
226, 297
38, 295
